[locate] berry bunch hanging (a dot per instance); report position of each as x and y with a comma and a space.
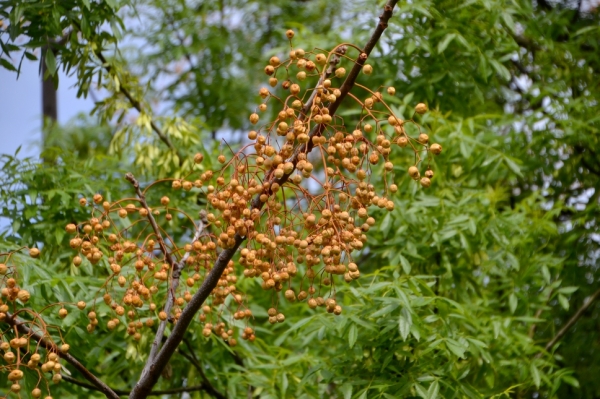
295, 202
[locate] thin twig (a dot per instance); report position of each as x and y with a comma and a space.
147, 381
538, 314
240, 362
51, 346
587, 302
196, 363
176, 268
335, 59
122, 392
138, 106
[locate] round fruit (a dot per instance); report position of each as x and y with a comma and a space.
413, 172
23, 295
15, 375
436, 149
421, 108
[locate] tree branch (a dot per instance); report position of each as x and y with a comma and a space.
147, 381
136, 104
196, 363
122, 392
587, 302
176, 268
51, 346
240, 362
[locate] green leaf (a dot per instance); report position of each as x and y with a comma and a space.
50, 62
346, 390
433, 391
569, 379
352, 335
513, 166
512, 302
501, 70
385, 310
442, 45
567, 290
535, 375
509, 21
404, 323
406, 268
7, 65
421, 391
564, 302
456, 348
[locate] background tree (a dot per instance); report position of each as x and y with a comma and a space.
464, 287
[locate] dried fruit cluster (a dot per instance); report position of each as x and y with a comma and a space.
299, 196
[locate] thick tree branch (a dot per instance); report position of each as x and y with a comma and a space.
587, 302
50, 346
146, 382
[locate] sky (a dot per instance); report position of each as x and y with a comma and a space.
21, 108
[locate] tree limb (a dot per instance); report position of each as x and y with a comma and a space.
122, 392
51, 346
587, 302
196, 363
147, 381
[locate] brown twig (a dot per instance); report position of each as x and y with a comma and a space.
335, 59
196, 363
175, 267
587, 302
51, 346
122, 392
147, 381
